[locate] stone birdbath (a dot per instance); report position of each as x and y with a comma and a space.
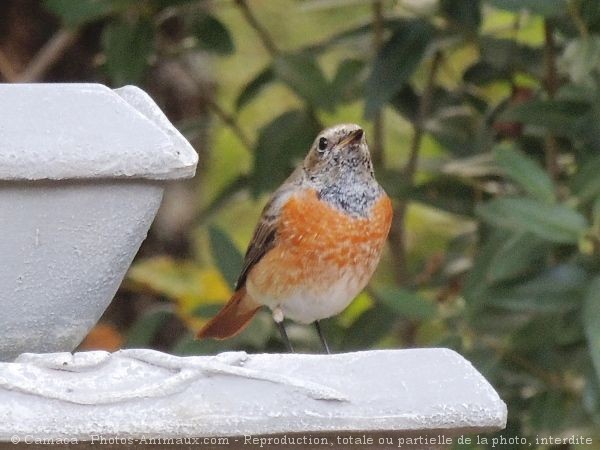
82, 172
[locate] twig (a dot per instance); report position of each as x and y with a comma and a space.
6, 70
230, 121
422, 113
263, 34
238, 185
377, 147
575, 13
51, 52
550, 379
551, 83
398, 230
44, 59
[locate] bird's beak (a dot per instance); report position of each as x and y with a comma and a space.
353, 136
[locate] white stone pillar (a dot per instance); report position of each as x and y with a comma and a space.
82, 172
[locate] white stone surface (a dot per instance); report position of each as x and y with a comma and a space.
66, 131
134, 393
64, 249
81, 179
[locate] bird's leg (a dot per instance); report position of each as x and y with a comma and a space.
278, 318
322, 337
284, 336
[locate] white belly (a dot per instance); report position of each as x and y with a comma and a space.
308, 304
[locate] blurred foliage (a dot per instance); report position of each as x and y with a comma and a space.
495, 249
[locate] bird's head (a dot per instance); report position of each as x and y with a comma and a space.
338, 151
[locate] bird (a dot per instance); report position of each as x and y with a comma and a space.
318, 241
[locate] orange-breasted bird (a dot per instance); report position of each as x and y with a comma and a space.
318, 241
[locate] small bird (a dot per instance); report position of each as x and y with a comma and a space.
318, 241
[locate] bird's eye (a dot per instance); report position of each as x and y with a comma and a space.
323, 144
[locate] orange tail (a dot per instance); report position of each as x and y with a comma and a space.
232, 319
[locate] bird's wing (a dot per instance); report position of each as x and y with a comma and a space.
265, 234
262, 241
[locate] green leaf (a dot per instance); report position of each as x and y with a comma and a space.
482, 72
591, 321
406, 102
182, 281
547, 331
586, 182
525, 172
589, 11
208, 309
356, 35
556, 223
347, 85
127, 47
254, 87
460, 132
547, 8
212, 35
394, 182
486, 320
596, 213
508, 56
549, 410
302, 73
280, 146
396, 62
579, 61
555, 290
161, 4
476, 282
78, 12
590, 400
370, 327
144, 329
226, 255
221, 199
502, 256
559, 117
463, 14
188, 345
518, 254
405, 303
446, 193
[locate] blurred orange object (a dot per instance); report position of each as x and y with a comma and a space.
103, 336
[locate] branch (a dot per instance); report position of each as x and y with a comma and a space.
47, 56
422, 113
6, 69
575, 13
551, 84
398, 230
238, 185
262, 32
377, 147
550, 379
230, 121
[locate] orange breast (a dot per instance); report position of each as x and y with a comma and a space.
317, 244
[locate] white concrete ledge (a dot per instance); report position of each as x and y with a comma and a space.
83, 131
134, 393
